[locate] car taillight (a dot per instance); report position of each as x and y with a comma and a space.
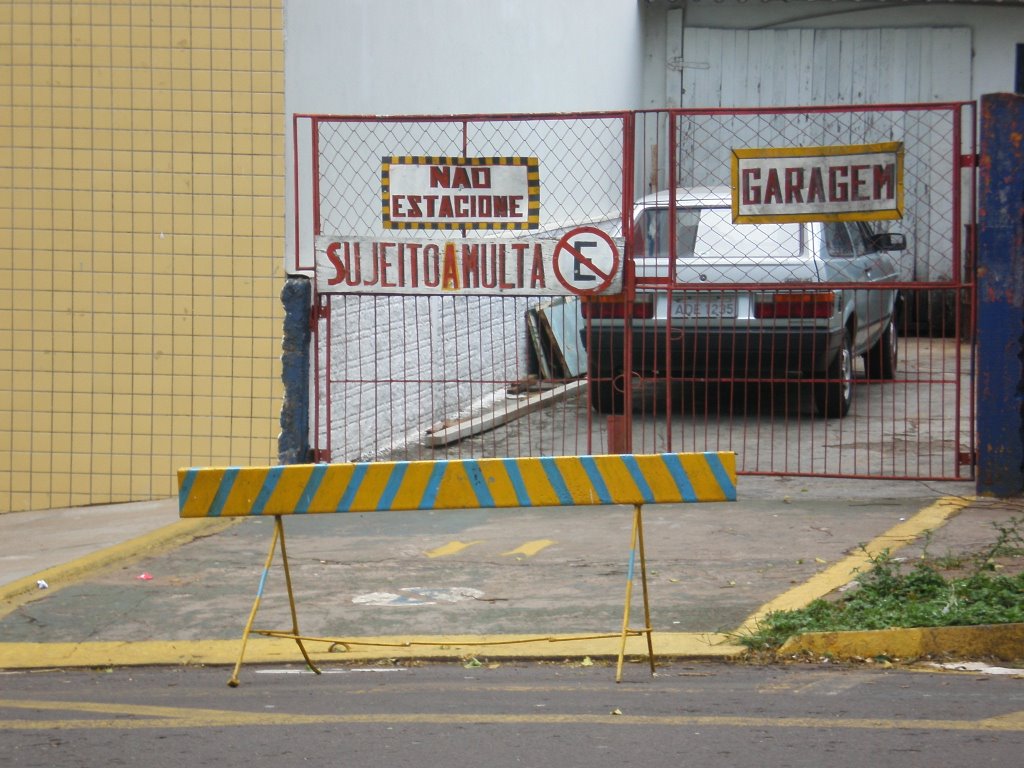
819, 304
616, 308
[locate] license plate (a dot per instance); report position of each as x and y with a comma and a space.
704, 307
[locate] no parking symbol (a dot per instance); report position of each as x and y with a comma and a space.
586, 262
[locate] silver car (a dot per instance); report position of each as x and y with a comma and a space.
749, 302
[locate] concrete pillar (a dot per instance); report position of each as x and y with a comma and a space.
293, 442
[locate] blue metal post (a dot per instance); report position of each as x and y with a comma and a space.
1000, 291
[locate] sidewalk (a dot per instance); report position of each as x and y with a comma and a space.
31, 542
132, 584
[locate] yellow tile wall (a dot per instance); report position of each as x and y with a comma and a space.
141, 241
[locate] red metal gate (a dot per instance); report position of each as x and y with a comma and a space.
489, 374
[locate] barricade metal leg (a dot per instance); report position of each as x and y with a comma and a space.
278, 536
291, 601
636, 548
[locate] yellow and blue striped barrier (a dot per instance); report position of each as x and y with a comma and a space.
457, 484
555, 481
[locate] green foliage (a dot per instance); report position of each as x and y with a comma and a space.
891, 596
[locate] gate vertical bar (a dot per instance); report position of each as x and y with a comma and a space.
296, 190
629, 282
959, 276
323, 309
673, 183
325, 453
972, 430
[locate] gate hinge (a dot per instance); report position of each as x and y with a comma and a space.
319, 456
317, 313
970, 161
967, 459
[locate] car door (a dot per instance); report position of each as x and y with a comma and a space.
847, 260
879, 267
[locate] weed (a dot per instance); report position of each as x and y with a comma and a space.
891, 594
951, 561
1009, 543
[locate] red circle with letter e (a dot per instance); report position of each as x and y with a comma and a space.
586, 260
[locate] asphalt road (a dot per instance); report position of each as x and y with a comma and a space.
513, 714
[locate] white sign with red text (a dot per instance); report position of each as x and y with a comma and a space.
460, 192
482, 266
858, 182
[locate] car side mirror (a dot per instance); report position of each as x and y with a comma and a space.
889, 241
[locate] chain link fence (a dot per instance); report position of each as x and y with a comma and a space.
690, 356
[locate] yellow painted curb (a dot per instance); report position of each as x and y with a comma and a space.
275, 650
1004, 642
26, 590
840, 573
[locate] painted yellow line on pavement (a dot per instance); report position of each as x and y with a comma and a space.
835, 576
140, 717
530, 548
697, 645
451, 548
26, 590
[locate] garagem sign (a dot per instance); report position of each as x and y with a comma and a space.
859, 182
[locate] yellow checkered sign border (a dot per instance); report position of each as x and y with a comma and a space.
531, 196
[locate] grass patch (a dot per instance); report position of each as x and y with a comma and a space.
980, 590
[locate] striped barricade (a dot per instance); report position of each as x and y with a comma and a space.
554, 481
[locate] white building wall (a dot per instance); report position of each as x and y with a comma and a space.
458, 56
396, 57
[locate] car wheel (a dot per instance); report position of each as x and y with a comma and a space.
833, 396
881, 359
605, 396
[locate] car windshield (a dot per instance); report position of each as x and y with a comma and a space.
710, 233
